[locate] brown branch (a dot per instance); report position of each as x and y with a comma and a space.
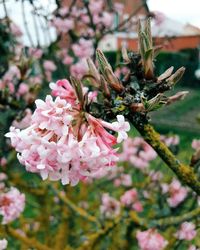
169, 221
184, 172
79, 211
30, 242
120, 25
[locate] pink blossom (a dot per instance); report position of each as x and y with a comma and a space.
64, 90
13, 72
12, 205
68, 60
23, 89
49, 65
63, 142
121, 127
196, 144
170, 140
83, 49
110, 207
130, 199
96, 6
186, 232
124, 180
3, 244
79, 69
155, 175
63, 25
107, 19
137, 152
85, 19
150, 240
35, 53
176, 193
63, 11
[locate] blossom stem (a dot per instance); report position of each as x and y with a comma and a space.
80, 211
178, 219
28, 241
184, 172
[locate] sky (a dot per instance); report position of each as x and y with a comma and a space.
181, 10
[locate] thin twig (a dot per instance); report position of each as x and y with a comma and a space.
80, 211
26, 24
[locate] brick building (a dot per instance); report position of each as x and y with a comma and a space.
172, 35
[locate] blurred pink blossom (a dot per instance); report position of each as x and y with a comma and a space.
63, 25
137, 152
23, 89
196, 144
110, 207
150, 240
49, 65
186, 232
130, 199
12, 205
176, 192
83, 49
79, 69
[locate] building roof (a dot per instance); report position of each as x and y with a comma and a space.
164, 26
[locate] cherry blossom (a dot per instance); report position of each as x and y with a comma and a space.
130, 199
137, 152
186, 232
150, 240
12, 204
176, 192
110, 207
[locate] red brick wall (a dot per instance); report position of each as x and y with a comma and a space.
170, 44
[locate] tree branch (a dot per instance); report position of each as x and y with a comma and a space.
29, 242
79, 211
184, 172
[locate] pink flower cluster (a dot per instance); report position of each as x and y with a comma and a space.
83, 49
9, 79
110, 207
137, 152
123, 180
151, 240
79, 69
186, 232
176, 192
63, 25
12, 204
130, 199
65, 143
